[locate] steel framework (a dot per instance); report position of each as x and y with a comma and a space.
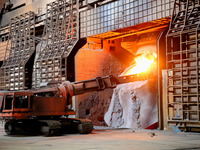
183, 64
59, 37
20, 47
106, 21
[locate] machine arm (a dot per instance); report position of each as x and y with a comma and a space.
101, 83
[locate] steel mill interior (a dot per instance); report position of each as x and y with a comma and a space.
99, 74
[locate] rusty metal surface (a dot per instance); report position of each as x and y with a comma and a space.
44, 102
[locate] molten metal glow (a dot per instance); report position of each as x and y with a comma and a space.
142, 63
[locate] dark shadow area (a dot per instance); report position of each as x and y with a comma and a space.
70, 62
29, 71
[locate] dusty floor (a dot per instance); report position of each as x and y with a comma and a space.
103, 139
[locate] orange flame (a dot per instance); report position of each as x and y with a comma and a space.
142, 63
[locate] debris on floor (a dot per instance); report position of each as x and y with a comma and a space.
151, 134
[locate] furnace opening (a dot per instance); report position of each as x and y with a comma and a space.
143, 63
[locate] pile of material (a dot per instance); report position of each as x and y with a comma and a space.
133, 105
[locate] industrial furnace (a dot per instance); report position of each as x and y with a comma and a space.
77, 40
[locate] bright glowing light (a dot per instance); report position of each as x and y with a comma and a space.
142, 63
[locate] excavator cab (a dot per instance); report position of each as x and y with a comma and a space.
14, 103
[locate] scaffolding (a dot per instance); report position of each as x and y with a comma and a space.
20, 47
59, 37
183, 64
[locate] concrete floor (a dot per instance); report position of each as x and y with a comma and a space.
103, 139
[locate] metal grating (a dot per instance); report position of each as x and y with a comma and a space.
22, 46
121, 14
3, 45
183, 64
59, 37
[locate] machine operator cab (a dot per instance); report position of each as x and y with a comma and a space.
15, 102
31, 104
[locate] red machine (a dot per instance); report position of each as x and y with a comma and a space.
47, 110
